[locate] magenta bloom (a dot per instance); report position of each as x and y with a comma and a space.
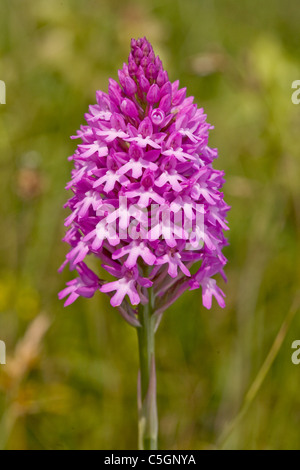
146, 200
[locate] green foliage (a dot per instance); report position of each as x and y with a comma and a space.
70, 378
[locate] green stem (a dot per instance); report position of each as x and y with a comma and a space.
148, 423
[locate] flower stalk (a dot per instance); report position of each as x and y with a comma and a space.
147, 408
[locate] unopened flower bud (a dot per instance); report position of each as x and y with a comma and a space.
153, 94
129, 108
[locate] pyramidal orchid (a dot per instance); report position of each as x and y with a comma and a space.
147, 203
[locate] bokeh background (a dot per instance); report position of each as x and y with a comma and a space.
225, 377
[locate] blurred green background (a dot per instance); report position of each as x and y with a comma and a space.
70, 377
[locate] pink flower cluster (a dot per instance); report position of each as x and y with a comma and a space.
147, 142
